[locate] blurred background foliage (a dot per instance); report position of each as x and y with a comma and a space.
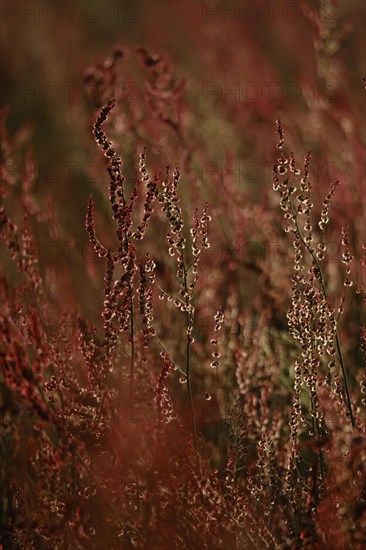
303, 61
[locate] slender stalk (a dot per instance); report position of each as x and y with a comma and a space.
338, 345
188, 344
132, 324
188, 372
349, 405
315, 421
165, 351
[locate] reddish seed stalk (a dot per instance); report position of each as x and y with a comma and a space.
339, 350
102, 140
324, 216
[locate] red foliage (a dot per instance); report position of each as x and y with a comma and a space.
219, 401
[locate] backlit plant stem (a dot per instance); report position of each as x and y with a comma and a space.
188, 370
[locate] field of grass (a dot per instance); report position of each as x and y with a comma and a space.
182, 275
